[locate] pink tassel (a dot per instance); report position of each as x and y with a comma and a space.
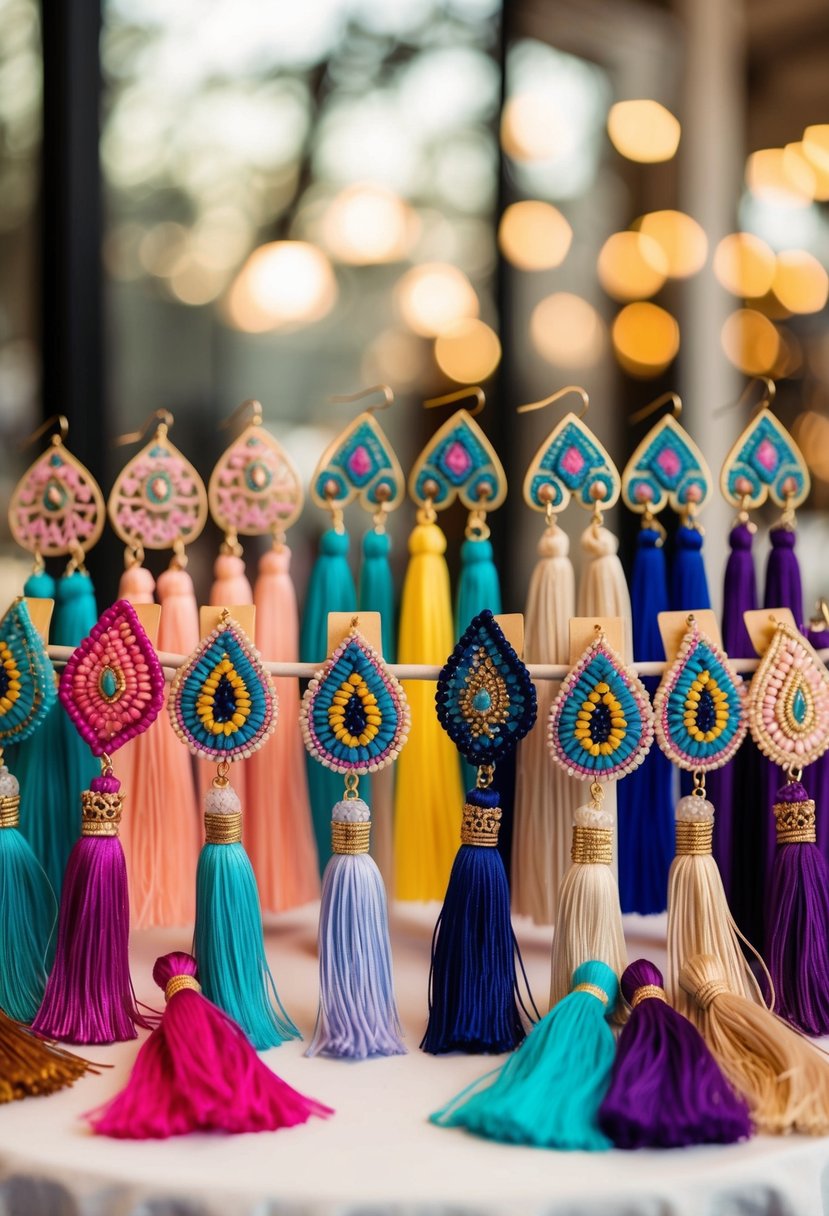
198, 1072
230, 587
278, 832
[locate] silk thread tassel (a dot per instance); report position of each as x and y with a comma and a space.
31, 1066
548, 1093
666, 1089
197, 1072
816, 776
428, 775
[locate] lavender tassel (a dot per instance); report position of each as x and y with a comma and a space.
799, 923
666, 1089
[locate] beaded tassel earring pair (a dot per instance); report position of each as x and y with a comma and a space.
57, 510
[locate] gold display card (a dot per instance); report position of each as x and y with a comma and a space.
369, 625
149, 615
583, 633
243, 614
40, 614
762, 622
674, 625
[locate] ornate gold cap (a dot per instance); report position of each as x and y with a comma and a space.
795, 822
101, 813
480, 825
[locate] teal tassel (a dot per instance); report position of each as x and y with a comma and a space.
478, 589
28, 911
331, 589
377, 587
229, 947
549, 1091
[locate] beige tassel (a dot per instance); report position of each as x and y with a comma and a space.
784, 1078
545, 797
589, 919
699, 919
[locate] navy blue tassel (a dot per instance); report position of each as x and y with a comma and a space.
645, 800
474, 1001
689, 592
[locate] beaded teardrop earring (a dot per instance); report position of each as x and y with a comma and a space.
600, 728
112, 689
700, 723
562, 471
788, 712
223, 707
158, 503
355, 720
255, 490
57, 510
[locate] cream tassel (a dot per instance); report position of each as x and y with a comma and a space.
589, 919
699, 919
545, 797
784, 1078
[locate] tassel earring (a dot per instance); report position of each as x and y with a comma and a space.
27, 694
548, 1093
816, 777
666, 1089
561, 470
458, 462
223, 707
255, 490
355, 720
57, 510
376, 594
788, 710
486, 703
600, 727
158, 502
666, 469
197, 1072
112, 689
700, 723
784, 1079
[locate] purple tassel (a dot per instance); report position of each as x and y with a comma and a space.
798, 950
816, 776
666, 1089
89, 996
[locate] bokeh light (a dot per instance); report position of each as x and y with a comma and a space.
435, 296
368, 224
811, 434
800, 282
567, 331
744, 264
530, 131
645, 338
643, 130
799, 167
750, 341
284, 284
681, 239
468, 352
631, 266
778, 180
534, 235
816, 145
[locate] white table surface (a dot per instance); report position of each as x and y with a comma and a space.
378, 1154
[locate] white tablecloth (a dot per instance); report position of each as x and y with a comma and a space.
378, 1154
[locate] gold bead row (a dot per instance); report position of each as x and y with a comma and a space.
350, 839
592, 846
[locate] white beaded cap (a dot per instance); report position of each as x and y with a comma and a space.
222, 800
9, 785
592, 817
351, 810
691, 809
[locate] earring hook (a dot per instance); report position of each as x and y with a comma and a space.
164, 419
461, 394
767, 399
251, 407
385, 389
562, 392
653, 406
63, 428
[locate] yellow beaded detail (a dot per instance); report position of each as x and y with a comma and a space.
705, 683
177, 983
11, 679
354, 686
206, 703
601, 695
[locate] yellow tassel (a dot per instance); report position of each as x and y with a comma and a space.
429, 793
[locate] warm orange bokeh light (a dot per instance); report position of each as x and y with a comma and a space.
534, 235
750, 341
681, 239
435, 296
800, 282
631, 266
284, 284
643, 130
645, 338
744, 264
772, 176
567, 331
468, 352
366, 225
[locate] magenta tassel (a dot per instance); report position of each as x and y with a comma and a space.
666, 1089
798, 949
198, 1072
816, 776
89, 996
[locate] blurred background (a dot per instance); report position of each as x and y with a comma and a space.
205, 202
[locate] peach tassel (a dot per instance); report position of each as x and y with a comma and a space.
231, 586
278, 832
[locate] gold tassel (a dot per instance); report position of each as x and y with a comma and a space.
429, 793
784, 1078
30, 1065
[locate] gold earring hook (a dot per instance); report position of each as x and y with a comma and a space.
460, 394
164, 419
562, 392
653, 406
252, 407
63, 429
384, 389
767, 399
